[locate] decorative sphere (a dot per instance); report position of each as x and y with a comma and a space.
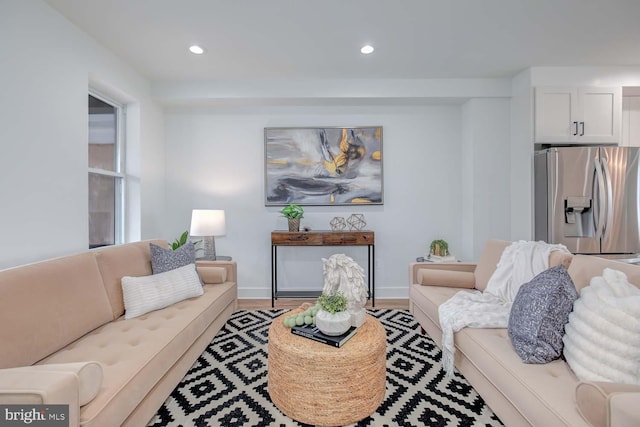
338, 224
356, 222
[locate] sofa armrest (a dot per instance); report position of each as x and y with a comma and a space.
605, 404
217, 271
624, 410
454, 274
37, 387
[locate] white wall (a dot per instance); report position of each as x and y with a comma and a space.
216, 160
521, 160
486, 187
47, 66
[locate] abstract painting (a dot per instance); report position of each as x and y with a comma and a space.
323, 166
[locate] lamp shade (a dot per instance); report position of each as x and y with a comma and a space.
207, 222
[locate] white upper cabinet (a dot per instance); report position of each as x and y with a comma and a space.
578, 115
631, 121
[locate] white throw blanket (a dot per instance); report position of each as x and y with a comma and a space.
602, 338
520, 262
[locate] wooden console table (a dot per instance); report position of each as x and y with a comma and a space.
321, 238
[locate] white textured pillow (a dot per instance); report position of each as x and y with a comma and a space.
148, 293
602, 338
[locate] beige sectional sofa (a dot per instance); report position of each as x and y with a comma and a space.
70, 310
521, 394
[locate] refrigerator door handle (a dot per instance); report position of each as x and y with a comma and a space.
601, 200
609, 203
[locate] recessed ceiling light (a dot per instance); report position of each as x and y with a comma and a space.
366, 49
195, 49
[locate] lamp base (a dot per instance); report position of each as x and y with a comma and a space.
209, 246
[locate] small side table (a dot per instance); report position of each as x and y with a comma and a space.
318, 384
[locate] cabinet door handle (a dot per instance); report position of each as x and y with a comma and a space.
582, 125
576, 128
298, 238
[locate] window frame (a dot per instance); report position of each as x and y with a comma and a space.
120, 161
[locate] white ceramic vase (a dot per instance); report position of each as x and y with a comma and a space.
333, 324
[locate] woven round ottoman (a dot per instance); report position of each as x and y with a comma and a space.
318, 384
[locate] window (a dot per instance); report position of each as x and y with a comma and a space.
106, 172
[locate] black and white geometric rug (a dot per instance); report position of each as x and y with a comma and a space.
227, 386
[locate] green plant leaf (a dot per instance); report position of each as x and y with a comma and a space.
180, 240
292, 211
333, 303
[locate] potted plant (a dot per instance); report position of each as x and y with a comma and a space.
333, 317
293, 213
439, 248
180, 241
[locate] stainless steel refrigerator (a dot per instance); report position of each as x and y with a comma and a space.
587, 199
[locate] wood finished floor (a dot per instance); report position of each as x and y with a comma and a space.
265, 304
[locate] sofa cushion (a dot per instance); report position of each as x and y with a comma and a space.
585, 267
50, 304
163, 260
136, 353
149, 293
602, 340
114, 262
454, 279
538, 315
544, 394
87, 374
560, 257
488, 262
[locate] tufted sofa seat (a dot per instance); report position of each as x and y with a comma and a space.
520, 394
71, 310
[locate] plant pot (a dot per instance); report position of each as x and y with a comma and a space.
333, 324
438, 251
294, 224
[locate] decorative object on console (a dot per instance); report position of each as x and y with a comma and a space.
439, 248
323, 166
207, 223
539, 312
356, 222
337, 223
163, 260
333, 318
293, 213
343, 276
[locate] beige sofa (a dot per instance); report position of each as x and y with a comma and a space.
70, 309
520, 394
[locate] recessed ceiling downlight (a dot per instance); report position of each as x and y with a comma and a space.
366, 49
195, 49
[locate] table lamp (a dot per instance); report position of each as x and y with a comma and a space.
207, 223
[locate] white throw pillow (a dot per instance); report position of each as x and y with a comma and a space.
602, 338
148, 293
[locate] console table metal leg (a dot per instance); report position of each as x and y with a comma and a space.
274, 273
372, 272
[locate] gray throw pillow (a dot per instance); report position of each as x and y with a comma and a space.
539, 313
163, 260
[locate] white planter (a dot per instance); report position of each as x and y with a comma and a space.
333, 324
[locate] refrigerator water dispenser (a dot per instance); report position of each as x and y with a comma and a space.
577, 213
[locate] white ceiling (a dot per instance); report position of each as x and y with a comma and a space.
283, 39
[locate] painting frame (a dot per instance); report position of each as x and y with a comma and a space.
323, 166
